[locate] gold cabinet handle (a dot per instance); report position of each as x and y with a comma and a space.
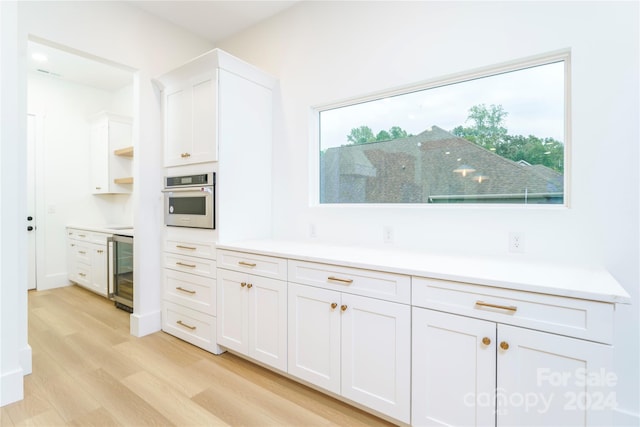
100, 251
82, 274
82, 235
82, 252
185, 247
185, 155
334, 305
500, 307
249, 286
246, 264
185, 265
181, 323
338, 279
504, 345
98, 188
73, 244
343, 307
243, 284
486, 341
180, 288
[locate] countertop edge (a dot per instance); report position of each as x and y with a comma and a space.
579, 282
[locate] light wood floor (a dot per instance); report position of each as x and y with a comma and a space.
88, 371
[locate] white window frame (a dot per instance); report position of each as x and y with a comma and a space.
519, 64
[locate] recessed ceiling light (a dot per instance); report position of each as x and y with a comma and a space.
40, 57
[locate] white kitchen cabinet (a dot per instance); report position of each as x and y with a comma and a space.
495, 369
252, 316
189, 289
111, 154
351, 345
190, 120
87, 259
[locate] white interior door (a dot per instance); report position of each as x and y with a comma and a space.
31, 201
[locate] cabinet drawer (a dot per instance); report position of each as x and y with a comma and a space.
584, 319
76, 234
189, 248
99, 238
82, 252
376, 284
200, 266
189, 290
259, 265
189, 325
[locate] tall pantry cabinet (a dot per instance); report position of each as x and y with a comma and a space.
217, 113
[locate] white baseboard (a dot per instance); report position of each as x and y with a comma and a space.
145, 324
26, 360
622, 418
53, 281
11, 387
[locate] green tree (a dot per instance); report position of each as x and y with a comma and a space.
361, 135
397, 132
487, 128
383, 135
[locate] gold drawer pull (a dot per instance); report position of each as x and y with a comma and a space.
501, 307
82, 274
249, 286
180, 288
186, 247
343, 307
486, 341
82, 252
243, 284
82, 235
247, 264
185, 155
185, 265
100, 251
181, 323
337, 279
504, 345
334, 305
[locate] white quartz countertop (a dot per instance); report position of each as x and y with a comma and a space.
125, 230
591, 283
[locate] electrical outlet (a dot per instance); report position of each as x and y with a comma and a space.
312, 231
516, 242
387, 234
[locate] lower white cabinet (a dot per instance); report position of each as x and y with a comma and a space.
351, 345
87, 260
189, 289
252, 316
471, 372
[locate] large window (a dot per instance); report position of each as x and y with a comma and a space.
490, 137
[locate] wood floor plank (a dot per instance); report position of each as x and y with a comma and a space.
169, 401
89, 371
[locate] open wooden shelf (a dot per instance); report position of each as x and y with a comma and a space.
125, 152
127, 180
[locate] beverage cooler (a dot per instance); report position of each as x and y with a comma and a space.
121, 271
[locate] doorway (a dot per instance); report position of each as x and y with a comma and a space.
65, 88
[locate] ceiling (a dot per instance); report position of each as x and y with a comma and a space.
213, 20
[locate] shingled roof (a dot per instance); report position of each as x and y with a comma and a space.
426, 168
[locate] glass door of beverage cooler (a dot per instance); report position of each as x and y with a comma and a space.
121, 271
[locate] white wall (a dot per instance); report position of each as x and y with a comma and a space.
124, 35
329, 51
64, 109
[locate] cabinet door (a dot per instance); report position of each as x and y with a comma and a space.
268, 321
314, 336
177, 124
191, 121
232, 306
454, 370
546, 379
99, 158
204, 107
99, 278
376, 354
72, 268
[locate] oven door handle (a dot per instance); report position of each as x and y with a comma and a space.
206, 189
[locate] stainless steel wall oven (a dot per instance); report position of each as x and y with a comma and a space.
189, 200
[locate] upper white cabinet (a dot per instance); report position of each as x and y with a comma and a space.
190, 120
111, 154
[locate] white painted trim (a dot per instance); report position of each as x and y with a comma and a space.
26, 360
145, 324
11, 387
52, 281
